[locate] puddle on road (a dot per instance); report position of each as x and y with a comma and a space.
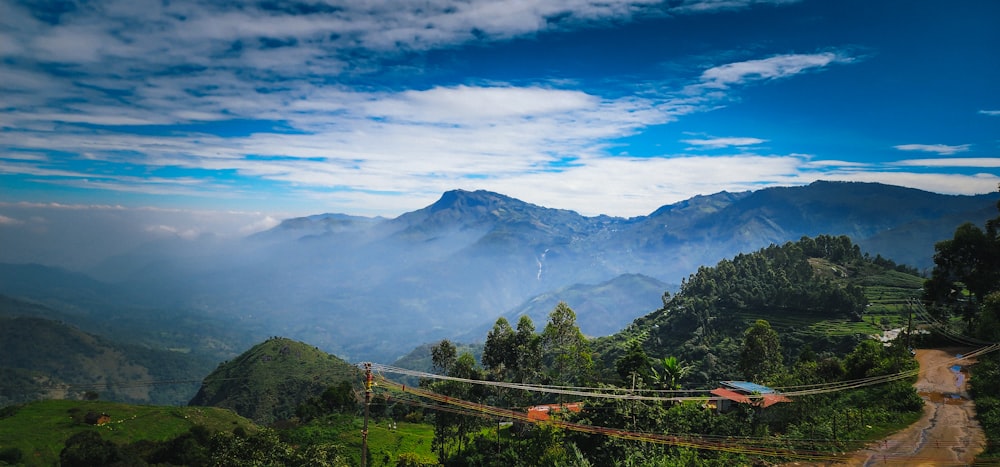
949, 398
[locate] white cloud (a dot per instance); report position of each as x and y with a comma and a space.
779, 66
466, 103
717, 143
4, 220
632, 186
24, 156
700, 6
984, 162
992, 113
942, 149
841, 164
160, 229
947, 183
259, 225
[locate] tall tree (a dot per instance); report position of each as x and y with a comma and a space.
529, 351
564, 347
761, 359
443, 356
500, 350
451, 430
634, 364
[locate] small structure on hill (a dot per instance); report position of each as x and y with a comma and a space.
94, 418
544, 411
745, 392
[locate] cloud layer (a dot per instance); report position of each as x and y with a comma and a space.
289, 103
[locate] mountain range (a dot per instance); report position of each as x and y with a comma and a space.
374, 288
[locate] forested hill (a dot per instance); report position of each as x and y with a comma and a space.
270, 380
822, 293
43, 358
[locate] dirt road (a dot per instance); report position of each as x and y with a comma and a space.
947, 434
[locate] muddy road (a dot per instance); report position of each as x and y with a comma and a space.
947, 434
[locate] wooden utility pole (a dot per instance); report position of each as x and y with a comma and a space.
368, 401
909, 325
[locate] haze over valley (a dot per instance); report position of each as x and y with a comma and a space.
374, 288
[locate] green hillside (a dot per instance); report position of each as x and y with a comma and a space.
269, 381
822, 294
41, 358
39, 430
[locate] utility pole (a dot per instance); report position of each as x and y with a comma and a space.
368, 401
909, 325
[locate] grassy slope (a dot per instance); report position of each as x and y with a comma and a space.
40, 429
385, 443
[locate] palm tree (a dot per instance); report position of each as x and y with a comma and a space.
673, 372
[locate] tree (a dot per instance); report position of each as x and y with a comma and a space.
265, 448
635, 363
528, 351
564, 347
444, 355
673, 372
451, 429
87, 448
761, 359
988, 323
500, 349
966, 268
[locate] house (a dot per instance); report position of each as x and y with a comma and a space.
745, 392
543, 412
94, 418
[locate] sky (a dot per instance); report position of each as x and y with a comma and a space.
271, 109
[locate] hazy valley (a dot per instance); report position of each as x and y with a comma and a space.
374, 288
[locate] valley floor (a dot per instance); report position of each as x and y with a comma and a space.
947, 434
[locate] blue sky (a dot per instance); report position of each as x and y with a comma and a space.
377, 107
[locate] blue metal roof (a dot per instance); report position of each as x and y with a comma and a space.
748, 387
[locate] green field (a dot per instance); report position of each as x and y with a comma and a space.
40, 429
386, 440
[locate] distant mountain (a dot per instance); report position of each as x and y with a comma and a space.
319, 224
136, 313
42, 359
268, 382
372, 288
601, 309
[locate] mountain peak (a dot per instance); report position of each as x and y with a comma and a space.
462, 199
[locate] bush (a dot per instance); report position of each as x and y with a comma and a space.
11, 456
